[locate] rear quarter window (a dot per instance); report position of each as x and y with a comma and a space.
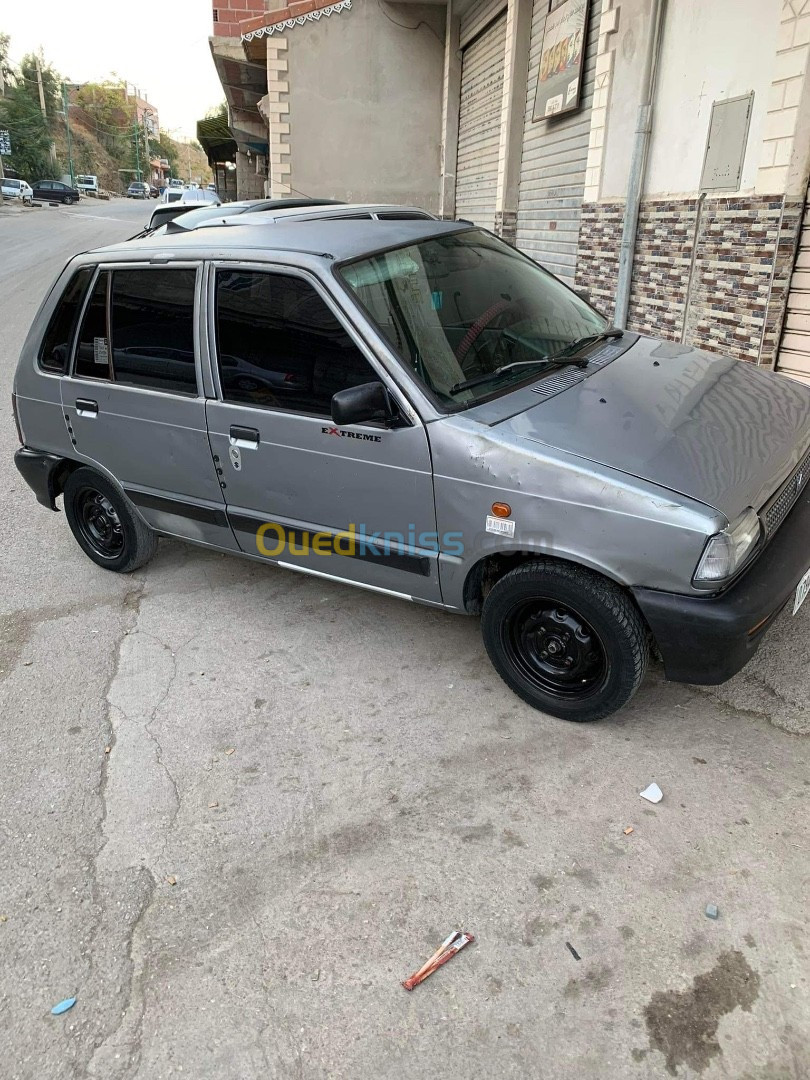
54, 354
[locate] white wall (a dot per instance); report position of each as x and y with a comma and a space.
711, 49
365, 94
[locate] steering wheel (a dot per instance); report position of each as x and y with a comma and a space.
482, 323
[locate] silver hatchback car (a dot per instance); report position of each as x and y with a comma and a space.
416, 408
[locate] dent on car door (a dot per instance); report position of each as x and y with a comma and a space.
350, 503
133, 403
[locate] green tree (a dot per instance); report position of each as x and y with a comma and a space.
30, 135
8, 72
165, 147
51, 83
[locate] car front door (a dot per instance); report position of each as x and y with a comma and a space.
355, 503
133, 403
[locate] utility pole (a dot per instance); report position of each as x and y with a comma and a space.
189, 162
136, 131
38, 62
147, 112
65, 106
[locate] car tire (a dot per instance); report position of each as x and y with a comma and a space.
69, 200
566, 640
104, 524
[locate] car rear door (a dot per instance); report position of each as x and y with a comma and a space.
133, 400
355, 504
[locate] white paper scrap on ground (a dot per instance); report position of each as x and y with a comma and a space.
652, 794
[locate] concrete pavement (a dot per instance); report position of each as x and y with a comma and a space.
384, 788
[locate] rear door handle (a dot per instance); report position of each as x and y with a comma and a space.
86, 407
246, 437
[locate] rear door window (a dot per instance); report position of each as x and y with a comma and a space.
138, 329
93, 350
152, 315
55, 351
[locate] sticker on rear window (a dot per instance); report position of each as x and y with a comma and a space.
100, 352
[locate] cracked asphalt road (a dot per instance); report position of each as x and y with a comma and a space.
383, 788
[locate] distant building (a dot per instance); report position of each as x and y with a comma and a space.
523, 115
146, 113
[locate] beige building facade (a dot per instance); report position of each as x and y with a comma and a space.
651, 150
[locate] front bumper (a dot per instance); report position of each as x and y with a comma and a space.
706, 640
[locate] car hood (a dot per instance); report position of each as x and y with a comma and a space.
715, 429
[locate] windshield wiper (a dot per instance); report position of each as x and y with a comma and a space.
563, 358
591, 339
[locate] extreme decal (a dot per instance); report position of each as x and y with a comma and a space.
350, 434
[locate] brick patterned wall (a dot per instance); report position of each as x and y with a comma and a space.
733, 275
600, 233
227, 15
661, 267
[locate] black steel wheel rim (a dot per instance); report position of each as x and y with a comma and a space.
555, 649
99, 523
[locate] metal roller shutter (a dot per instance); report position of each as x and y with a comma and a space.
477, 17
479, 125
555, 153
794, 350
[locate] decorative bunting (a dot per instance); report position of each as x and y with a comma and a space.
299, 20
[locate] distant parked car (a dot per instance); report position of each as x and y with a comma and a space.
214, 212
191, 196
162, 215
87, 183
211, 187
198, 214
138, 190
17, 189
55, 191
153, 191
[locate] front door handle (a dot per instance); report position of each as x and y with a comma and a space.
246, 437
86, 407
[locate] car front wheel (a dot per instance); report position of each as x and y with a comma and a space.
104, 523
69, 200
566, 640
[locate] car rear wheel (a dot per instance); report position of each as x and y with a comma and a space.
105, 525
567, 641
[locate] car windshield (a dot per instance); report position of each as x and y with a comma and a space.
464, 305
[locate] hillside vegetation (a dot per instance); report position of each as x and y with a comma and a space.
104, 137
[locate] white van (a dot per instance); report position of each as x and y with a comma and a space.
17, 189
87, 183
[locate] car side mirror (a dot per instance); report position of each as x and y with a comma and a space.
359, 404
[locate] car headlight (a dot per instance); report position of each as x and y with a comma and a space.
726, 552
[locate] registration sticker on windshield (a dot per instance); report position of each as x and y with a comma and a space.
801, 592
500, 525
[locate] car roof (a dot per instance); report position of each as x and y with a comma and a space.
325, 237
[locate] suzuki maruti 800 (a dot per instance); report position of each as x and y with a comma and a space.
416, 408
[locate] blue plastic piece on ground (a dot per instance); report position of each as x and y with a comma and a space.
711, 911
63, 1006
